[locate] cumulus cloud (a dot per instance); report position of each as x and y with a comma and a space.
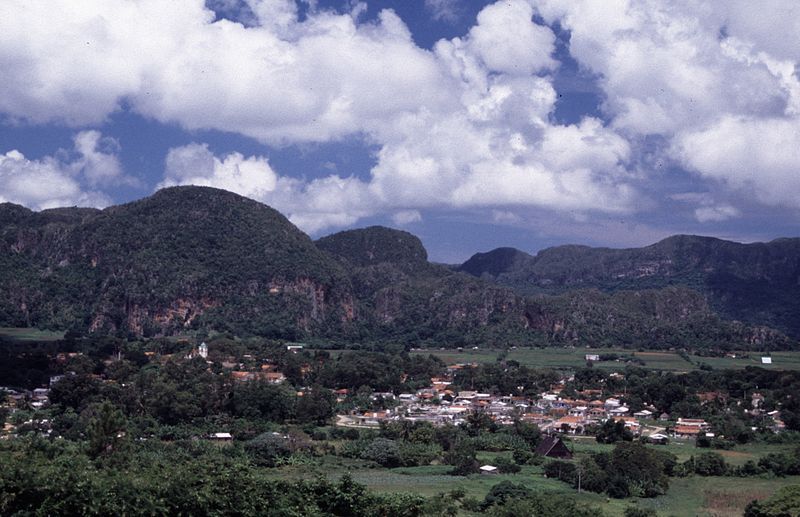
468, 123
507, 41
195, 164
327, 202
505, 217
59, 180
717, 80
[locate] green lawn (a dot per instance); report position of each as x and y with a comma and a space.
29, 334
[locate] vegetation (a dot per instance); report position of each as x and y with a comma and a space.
754, 283
196, 259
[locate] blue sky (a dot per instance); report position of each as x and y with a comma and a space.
525, 123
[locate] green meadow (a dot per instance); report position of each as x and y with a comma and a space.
29, 334
570, 358
695, 495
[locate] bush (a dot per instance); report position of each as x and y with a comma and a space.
635, 511
500, 493
561, 470
506, 465
269, 448
382, 451
710, 464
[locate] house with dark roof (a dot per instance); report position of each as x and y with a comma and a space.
553, 447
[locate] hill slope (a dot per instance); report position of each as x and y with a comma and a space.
189, 258
757, 283
156, 265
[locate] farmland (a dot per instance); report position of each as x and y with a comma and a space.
570, 358
29, 334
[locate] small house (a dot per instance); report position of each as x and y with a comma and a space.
490, 470
658, 438
553, 447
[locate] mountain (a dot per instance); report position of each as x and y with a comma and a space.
756, 283
185, 255
197, 258
496, 262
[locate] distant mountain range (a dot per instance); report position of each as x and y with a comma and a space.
197, 258
755, 283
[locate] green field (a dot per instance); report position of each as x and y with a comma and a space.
29, 334
568, 358
705, 496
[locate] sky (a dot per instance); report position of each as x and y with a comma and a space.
472, 124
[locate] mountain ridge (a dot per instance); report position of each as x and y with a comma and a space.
754, 282
189, 259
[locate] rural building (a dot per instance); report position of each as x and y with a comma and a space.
489, 470
553, 447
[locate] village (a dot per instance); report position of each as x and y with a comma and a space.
439, 403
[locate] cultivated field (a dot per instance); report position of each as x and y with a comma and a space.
567, 358
29, 334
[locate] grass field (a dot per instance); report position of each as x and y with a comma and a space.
702, 496
29, 334
568, 358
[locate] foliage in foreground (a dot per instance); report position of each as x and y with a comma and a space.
39, 476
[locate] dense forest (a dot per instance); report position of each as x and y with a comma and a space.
197, 259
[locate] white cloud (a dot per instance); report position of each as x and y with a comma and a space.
54, 181
715, 213
709, 210
760, 156
328, 202
98, 160
194, 164
507, 40
718, 80
505, 217
446, 10
405, 217
467, 124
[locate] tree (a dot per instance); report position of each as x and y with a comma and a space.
613, 431
74, 391
383, 451
478, 422
710, 464
316, 406
528, 432
642, 469
261, 400
106, 429
268, 448
463, 458
500, 493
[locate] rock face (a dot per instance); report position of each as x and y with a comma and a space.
755, 283
191, 258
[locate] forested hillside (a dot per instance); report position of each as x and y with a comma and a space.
755, 283
200, 259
